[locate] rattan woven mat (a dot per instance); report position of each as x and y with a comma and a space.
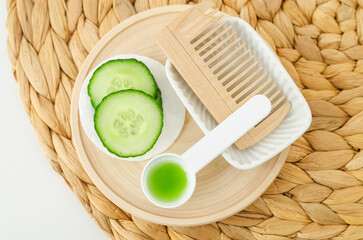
319, 192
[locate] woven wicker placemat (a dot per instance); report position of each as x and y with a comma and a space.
319, 192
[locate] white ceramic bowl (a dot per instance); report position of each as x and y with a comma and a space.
291, 128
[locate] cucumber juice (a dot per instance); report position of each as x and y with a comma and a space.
167, 181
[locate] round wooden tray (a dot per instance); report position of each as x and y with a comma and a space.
221, 191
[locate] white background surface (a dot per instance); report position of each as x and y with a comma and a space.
35, 202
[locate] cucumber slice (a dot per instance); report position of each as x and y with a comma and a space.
158, 98
120, 74
128, 122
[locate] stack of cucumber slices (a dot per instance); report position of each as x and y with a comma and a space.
128, 107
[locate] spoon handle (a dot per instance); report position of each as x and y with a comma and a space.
226, 133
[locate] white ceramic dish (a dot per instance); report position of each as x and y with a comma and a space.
292, 127
173, 110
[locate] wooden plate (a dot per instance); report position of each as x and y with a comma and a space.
221, 191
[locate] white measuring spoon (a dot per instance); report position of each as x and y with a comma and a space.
209, 147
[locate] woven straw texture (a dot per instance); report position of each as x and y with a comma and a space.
319, 192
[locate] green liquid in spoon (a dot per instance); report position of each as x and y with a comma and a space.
167, 182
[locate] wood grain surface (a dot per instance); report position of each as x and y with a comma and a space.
192, 43
226, 189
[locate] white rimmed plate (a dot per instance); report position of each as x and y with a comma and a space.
292, 127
